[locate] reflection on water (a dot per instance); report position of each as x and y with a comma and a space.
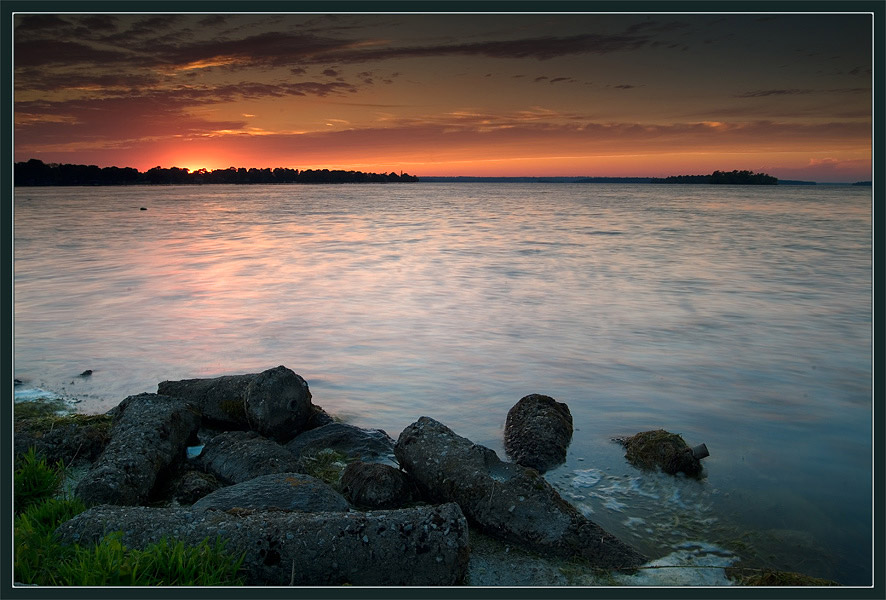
738, 317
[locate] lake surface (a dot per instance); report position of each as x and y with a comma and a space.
735, 316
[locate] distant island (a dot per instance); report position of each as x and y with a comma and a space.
37, 173
717, 177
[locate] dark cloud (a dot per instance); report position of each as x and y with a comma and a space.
624, 86
331, 73
763, 93
34, 53
542, 48
34, 79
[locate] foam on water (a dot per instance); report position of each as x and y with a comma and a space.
693, 563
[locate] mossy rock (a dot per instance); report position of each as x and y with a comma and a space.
766, 577
661, 449
71, 438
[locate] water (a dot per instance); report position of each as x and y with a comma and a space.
735, 316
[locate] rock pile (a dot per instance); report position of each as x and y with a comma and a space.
408, 502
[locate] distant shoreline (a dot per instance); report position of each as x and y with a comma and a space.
36, 173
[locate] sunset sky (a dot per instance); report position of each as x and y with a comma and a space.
449, 94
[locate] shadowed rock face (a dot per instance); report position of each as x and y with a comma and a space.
238, 456
374, 485
275, 403
505, 500
538, 430
368, 445
150, 434
420, 546
281, 491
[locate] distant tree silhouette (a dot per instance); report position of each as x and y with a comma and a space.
733, 178
35, 173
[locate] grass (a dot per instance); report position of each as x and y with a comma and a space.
35, 480
326, 465
40, 558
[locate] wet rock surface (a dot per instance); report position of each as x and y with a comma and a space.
149, 435
368, 445
661, 449
238, 456
280, 491
538, 430
375, 485
275, 402
422, 546
504, 500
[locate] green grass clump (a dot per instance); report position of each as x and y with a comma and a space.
326, 465
35, 480
40, 559
42, 407
167, 562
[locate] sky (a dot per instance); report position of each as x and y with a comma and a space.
450, 94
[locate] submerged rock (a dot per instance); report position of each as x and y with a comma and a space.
664, 450
275, 403
149, 435
505, 500
538, 430
374, 485
282, 491
238, 456
368, 445
421, 546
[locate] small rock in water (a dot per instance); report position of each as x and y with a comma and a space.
538, 430
664, 450
18, 381
143, 208
86, 373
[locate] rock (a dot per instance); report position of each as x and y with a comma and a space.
538, 430
368, 445
374, 485
149, 435
238, 456
275, 403
505, 500
661, 449
190, 486
86, 373
421, 546
282, 491
74, 439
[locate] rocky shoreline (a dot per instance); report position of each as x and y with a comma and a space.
237, 457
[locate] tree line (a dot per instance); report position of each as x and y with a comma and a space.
35, 172
727, 177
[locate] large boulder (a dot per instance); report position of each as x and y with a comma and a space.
238, 456
538, 430
276, 402
368, 445
664, 450
421, 546
376, 485
505, 500
282, 491
149, 436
